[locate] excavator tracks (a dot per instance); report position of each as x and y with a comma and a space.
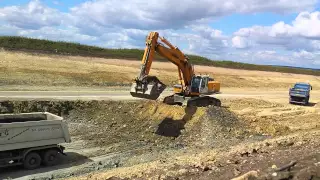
202, 101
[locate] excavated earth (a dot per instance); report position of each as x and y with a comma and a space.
151, 140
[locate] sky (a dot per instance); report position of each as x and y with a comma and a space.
277, 32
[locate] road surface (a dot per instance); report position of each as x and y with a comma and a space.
279, 96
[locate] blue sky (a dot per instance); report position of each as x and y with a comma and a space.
284, 32
233, 22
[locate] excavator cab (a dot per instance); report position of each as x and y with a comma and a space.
196, 84
200, 85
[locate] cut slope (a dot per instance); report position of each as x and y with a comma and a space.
128, 125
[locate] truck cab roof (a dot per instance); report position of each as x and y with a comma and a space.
302, 83
302, 86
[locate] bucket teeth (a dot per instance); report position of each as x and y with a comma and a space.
150, 87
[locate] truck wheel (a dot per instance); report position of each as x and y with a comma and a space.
50, 157
306, 101
32, 161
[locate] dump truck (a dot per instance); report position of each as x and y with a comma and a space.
300, 93
32, 139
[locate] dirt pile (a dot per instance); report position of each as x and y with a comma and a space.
56, 107
138, 132
130, 125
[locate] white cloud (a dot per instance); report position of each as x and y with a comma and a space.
273, 57
308, 24
281, 29
34, 15
304, 55
298, 42
207, 32
205, 40
240, 42
303, 33
9, 30
281, 6
55, 34
263, 57
167, 14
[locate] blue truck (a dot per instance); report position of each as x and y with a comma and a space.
300, 93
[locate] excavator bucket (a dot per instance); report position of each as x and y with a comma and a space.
150, 87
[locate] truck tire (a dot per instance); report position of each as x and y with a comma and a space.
32, 161
50, 157
306, 101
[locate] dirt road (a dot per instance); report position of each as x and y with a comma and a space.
280, 96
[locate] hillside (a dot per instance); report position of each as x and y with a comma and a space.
30, 71
13, 43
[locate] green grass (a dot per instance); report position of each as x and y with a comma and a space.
66, 48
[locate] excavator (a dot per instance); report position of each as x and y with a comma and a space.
192, 89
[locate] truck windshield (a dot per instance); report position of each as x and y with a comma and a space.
301, 86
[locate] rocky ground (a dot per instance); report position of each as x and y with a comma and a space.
124, 139
150, 140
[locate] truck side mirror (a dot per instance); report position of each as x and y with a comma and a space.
310, 87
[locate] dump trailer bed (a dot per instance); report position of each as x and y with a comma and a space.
38, 134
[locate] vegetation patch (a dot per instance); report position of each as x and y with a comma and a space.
68, 48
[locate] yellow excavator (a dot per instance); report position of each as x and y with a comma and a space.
192, 89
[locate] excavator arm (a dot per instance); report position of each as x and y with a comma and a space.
174, 55
150, 87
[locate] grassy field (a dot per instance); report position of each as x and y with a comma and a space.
25, 71
66, 48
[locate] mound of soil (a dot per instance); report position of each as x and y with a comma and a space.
121, 126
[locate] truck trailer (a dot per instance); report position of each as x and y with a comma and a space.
32, 139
